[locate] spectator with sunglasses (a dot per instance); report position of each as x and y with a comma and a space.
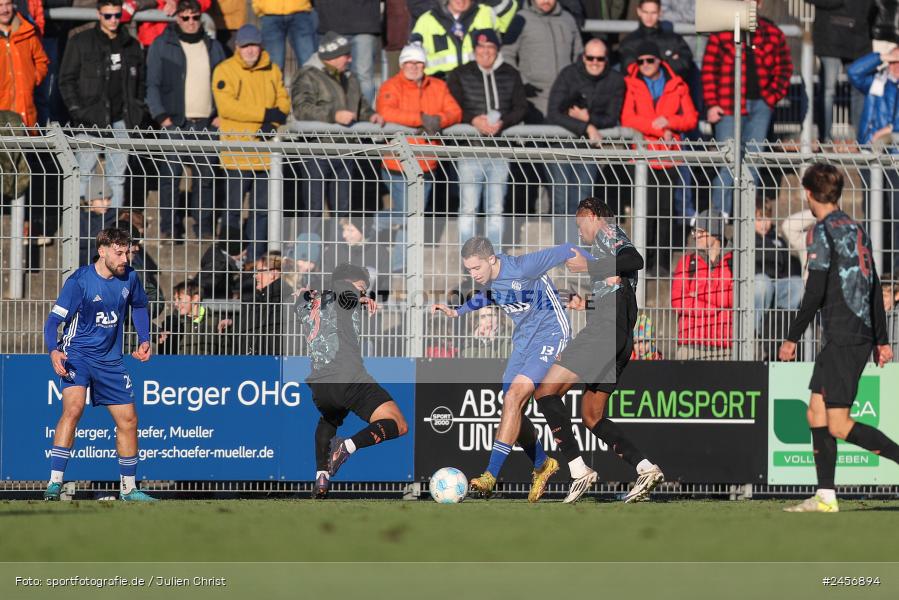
102, 84
179, 95
148, 31
672, 47
586, 97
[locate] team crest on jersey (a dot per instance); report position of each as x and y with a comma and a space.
516, 285
109, 319
125, 293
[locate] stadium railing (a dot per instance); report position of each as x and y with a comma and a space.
45, 234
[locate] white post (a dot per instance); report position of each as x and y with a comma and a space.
16, 251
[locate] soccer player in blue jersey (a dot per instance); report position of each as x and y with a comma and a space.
600, 352
92, 307
520, 286
843, 283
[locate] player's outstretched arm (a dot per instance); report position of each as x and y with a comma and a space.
446, 310
535, 264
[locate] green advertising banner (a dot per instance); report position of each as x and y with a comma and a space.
790, 456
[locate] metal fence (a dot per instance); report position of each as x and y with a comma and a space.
248, 223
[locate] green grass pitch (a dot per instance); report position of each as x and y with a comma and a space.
477, 531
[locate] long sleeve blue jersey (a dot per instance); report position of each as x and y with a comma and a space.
526, 293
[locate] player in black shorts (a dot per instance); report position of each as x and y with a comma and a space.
339, 382
595, 357
843, 283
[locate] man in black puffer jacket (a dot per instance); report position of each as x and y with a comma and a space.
586, 97
102, 84
673, 47
492, 98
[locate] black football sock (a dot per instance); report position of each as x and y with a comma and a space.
323, 434
559, 422
611, 434
376, 432
825, 446
527, 439
873, 440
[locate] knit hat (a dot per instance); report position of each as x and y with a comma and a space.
712, 222
648, 48
485, 36
97, 188
248, 35
333, 45
307, 247
413, 53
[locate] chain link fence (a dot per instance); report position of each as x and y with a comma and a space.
229, 230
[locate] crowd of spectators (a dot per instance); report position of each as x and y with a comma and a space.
491, 64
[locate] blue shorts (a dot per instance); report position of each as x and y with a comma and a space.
109, 383
534, 359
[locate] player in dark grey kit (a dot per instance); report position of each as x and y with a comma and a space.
339, 382
600, 352
843, 283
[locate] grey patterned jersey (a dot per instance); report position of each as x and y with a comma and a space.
606, 246
331, 323
841, 247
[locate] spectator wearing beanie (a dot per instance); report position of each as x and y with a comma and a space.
325, 90
672, 47
249, 94
360, 22
491, 95
658, 105
542, 39
179, 96
412, 99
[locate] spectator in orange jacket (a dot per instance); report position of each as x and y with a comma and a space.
23, 63
412, 99
657, 104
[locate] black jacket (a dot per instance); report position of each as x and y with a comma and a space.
886, 21
349, 16
469, 86
843, 27
219, 275
773, 258
85, 75
166, 72
669, 44
258, 327
602, 96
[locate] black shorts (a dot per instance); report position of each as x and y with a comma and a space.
837, 372
593, 357
336, 399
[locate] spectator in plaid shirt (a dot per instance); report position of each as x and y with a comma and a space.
765, 78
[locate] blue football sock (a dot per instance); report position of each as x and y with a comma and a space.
498, 457
59, 458
128, 466
536, 453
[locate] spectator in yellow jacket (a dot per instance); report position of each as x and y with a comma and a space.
250, 96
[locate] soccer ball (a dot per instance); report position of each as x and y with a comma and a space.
448, 486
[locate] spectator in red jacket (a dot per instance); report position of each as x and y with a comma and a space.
657, 104
702, 293
765, 78
23, 63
